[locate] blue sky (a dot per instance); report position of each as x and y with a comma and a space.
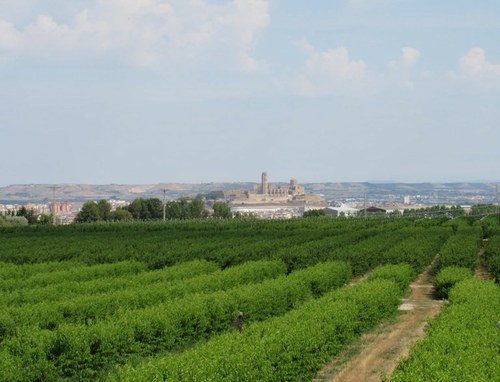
150, 91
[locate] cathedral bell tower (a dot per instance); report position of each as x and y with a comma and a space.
264, 186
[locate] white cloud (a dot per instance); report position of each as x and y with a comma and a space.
402, 68
334, 71
410, 56
328, 71
9, 38
475, 64
335, 64
475, 70
148, 32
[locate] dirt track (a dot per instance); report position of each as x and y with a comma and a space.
382, 350
482, 272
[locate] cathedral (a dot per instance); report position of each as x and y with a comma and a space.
294, 189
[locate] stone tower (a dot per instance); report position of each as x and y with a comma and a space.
264, 186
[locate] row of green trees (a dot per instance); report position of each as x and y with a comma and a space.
484, 209
151, 209
24, 216
435, 212
12, 221
290, 347
80, 351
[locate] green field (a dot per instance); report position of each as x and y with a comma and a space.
160, 301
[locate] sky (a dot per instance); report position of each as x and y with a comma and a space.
198, 91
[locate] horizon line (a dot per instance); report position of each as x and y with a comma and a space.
256, 182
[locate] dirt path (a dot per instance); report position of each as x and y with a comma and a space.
482, 272
377, 354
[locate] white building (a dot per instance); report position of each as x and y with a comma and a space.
342, 210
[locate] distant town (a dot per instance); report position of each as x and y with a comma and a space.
264, 199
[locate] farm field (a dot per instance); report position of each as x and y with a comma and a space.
216, 300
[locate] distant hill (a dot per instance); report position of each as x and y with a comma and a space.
21, 193
426, 193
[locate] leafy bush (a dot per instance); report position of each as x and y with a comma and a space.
461, 250
13, 221
418, 249
492, 256
80, 351
288, 348
164, 286
448, 277
401, 274
24, 280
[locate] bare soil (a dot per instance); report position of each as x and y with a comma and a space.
377, 354
482, 272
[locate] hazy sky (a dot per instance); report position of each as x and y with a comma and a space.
149, 91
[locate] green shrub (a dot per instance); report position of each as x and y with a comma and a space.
492, 256
288, 348
447, 278
81, 351
401, 274
461, 250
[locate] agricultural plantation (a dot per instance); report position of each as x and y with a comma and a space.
240, 300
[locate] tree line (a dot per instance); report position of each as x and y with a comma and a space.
435, 212
151, 209
24, 216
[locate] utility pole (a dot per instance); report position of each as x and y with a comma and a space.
54, 212
496, 202
366, 215
164, 211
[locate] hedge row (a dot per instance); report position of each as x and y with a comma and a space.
492, 256
161, 244
288, 348
448, 277
463, 343
461, 249
91, 308
15, 271
66, 290
419, 248
76, 273
367, 254
401, 274
370, 248
79, 351
317, 251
